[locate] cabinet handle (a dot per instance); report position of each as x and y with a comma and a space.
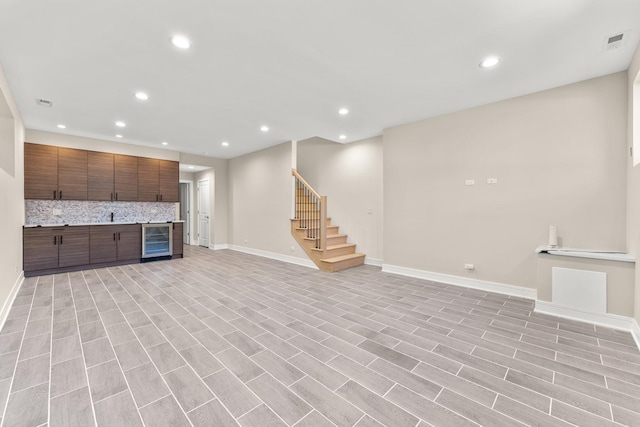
157, 197
55, 240
116, 196
118, 235
60, 239
112, 197
161, 197
114, 237
60, 194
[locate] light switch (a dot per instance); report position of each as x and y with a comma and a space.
492, 180
469, 182
57, 212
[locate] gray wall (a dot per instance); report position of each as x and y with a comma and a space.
633, 173
350, 175
11, 196
559, 157
260, 201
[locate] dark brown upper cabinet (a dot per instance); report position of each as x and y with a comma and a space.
58, 173
158, 180
54, 173
113, 177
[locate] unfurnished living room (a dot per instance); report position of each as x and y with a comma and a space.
320, 213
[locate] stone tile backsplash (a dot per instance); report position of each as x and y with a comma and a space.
82, 212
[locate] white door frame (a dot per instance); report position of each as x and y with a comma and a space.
198, 210
192, 229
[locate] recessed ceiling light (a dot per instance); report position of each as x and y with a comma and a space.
165, 143
121, 124
118, 136
343, 137
142, 96
490, 61
62, 127
264, 128
192, 167
225, 144
343, 111
181, 41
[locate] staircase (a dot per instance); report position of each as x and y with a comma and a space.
312, 229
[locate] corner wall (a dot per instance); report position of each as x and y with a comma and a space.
11, 196
350, 175
559, 157
260, 200
633, 179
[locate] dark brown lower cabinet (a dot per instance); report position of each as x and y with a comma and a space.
111, 243
178, 249
48, 248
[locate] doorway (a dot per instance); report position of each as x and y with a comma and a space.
185, 211
203, 212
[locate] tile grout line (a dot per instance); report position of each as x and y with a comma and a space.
15, 368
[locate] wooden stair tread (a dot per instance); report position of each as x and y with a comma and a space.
338, 246
329, 236
342, 258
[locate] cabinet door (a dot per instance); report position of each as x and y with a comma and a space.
72, 174
169, 181
102, 243
100, 176
148, 180
40, 247
129, 242
40, 171
178, 248
73, 248
126, 178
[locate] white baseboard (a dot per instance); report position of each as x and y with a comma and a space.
635, 332
613, 321
219, 246
373, 261
6, 307
272, 255
484, 285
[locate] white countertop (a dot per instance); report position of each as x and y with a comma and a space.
587, 253
98, 223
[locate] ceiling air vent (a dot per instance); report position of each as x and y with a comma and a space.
615, 41
44, 102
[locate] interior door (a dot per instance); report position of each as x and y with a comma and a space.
185, 211
203, 212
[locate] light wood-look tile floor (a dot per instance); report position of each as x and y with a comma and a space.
224, 338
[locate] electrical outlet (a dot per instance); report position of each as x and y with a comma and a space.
293, 248
57, 212
492, 180
469, 267
469, 182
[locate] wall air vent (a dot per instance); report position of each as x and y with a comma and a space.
615, 41
44, 102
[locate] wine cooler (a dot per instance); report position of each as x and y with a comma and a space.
157, 240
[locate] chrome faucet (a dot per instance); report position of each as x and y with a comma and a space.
111, 216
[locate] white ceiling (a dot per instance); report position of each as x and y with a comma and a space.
290, 64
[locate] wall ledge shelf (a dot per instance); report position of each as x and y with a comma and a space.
586, 253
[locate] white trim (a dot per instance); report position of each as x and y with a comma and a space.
603, 319
192, 210
272, 255
4, 313
219, 246
373, 261
484, 285
635, 332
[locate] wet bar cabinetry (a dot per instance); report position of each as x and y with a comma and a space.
58, 173
111, 243
54, 173
112, 177
158, 180
49, 250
